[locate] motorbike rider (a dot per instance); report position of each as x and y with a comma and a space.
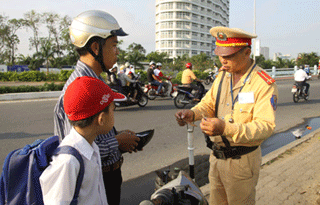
129, 91
157, 72
188, 77
152, 78
307, 69
300, 77
112, 79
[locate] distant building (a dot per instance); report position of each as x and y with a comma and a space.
265, 52
182, 26
279, 55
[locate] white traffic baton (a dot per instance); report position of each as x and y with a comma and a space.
191, 150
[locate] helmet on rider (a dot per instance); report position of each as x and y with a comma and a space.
94, 23
189, 65
152, 63
158, 64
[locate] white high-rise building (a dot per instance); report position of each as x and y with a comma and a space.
182, 26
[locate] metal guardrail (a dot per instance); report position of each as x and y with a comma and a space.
288, 72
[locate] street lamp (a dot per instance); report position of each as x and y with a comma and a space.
254, 29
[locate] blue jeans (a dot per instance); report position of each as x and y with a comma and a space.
157, 83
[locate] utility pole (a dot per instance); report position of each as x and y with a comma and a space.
254, 29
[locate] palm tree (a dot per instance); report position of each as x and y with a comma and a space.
47, 52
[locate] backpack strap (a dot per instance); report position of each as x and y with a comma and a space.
76, 154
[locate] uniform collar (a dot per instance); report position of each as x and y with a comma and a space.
81, 144
244, 76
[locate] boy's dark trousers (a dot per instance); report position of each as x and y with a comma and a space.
112, 182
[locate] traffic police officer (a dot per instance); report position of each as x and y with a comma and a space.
237, 115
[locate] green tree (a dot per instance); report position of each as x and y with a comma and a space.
32, 20
52, 22
310, 59
23, 60
157, 57
135, 54
47, 52
11, 39
201, 62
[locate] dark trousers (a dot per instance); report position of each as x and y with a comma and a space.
112, 182
304, 83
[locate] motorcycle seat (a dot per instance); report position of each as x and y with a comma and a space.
185, 88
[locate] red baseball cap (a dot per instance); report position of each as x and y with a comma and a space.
87, 96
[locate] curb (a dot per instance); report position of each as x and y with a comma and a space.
29, 95
269, 157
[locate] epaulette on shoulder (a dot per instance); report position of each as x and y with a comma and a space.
266, 77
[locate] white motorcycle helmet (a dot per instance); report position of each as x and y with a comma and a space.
159, 64
94, 23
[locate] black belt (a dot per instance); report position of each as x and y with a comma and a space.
113, 167
234, 152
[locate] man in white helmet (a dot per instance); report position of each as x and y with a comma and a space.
94, 33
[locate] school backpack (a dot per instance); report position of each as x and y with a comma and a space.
19, 183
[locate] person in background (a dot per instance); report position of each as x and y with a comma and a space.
152, 78
301, 77
125, 80
237, 114
114, 82
307, 69
188, 77
159, 75
95, 36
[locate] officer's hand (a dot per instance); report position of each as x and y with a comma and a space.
212, 126
128, 141
184, 116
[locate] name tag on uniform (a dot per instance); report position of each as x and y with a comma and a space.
246, 98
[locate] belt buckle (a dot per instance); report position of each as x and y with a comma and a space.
219, 154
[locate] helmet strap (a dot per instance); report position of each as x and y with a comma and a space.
99, 57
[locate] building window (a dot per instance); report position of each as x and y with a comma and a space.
194, 43
183, 15
182, 24
182, 44
181, 5
182, 34
166, 15
166, 25
166, 6
194, 52
166, 34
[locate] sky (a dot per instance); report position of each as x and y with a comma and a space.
285, 26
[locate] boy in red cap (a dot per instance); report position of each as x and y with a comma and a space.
88, 103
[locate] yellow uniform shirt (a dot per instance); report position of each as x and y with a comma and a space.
187, 76
254, 112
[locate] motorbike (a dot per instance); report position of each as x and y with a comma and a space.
299, 92
142, 98
185, 95
210, 78
180, 191
151, 89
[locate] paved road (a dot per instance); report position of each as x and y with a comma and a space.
24, 121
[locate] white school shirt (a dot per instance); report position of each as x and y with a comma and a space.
58, 181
